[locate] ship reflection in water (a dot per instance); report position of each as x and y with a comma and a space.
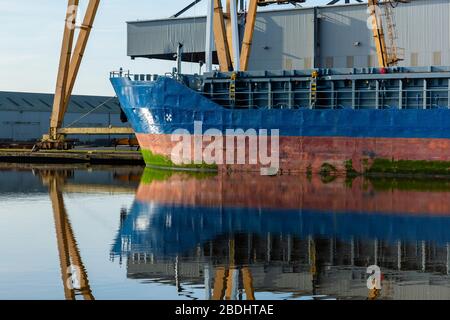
252, 237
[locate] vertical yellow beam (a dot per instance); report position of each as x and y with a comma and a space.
312, 257
219, 284
247, 280
232, 248
61, 238
248, 35
378, 33
229, 282
80, 48
74, 252
229, 30
69, 253
223, 51
63, 70
229, 286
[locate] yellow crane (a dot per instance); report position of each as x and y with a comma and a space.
69, 65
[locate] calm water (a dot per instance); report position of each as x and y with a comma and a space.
126, 233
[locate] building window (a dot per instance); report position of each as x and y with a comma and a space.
372, 61
329, 62
350, 62
307, 63
288, 64
437, 58
414, 59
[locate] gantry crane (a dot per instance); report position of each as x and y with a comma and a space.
69, 65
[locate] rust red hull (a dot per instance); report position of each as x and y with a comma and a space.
310, 154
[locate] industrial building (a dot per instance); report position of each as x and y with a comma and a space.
25, 116
338, 36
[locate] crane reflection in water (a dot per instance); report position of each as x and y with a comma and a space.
242, 237
73, 272
74, 275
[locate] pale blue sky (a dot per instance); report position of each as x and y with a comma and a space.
31, 33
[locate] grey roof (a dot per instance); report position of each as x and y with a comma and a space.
43, 102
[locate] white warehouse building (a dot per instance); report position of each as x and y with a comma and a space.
335, 36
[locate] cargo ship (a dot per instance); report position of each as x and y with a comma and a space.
391, 120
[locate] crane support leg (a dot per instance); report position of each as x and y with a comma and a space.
248, 35
63, 71
229, 31
220, 35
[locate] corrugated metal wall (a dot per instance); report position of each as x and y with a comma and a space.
344, 38
26, 116
425, 31
30, 126
285, 39
162, 36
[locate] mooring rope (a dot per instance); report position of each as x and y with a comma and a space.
88, 113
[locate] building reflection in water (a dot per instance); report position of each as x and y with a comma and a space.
243, 237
